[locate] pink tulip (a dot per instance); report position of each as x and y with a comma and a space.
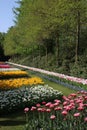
85, 105
39, 109
56, 104
85, 119
26, 109
57, 108
52, 117
67, 108
81, 104
80, 108
85, 97
71, 101
48, 110
58, 101
76, 114
33, 108
43, 102
65, 103
51, 106
65, 98
43, 109
38, 105
72, 106
73, 95
48, 104
64, 112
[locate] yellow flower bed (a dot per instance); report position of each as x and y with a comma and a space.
17, 83
10, 73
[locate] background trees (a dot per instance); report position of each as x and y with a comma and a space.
52, 33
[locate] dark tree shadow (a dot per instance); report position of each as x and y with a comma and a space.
11, 123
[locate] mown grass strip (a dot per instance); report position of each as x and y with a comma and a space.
63, 89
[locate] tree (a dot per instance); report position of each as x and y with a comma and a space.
2, 36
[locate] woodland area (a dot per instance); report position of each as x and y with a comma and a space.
48, 34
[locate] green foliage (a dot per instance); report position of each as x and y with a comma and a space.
2, 36
49, 27
11, 42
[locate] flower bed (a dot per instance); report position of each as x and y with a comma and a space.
8, 69
67, 83
69, 114
20, 98
5, 66
70, 79
19, 82
13, 74
17, 93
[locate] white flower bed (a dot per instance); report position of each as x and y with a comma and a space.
8, 69
26, 96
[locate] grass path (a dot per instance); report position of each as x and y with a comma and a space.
64, 90
14, 121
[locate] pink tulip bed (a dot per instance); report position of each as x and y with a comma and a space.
4, 66
78, 86
81, 83
70, 113
75, 83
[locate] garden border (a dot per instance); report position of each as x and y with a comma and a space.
47, 77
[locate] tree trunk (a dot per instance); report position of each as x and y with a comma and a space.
46, 55
77, 37
57, 50
39, 55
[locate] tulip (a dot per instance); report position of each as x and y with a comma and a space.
52, 117
64, 112
76, 114
26, 109
85, 119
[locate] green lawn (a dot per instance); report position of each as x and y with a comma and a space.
64, 90
14, 121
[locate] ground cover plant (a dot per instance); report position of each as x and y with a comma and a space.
68, 114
